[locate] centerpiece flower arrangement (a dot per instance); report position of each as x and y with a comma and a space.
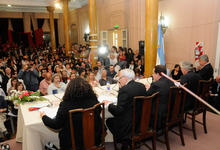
25, 96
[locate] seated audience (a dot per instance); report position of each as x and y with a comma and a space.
44, 84
205, 69
56, 86
191, 79
138, 74
140, 66
42, 74
162, 85
19, 87
176, 73
68, 69
91, 79
82, 73
64, 77
72, 75
111, 72
3, 109
13, 85
14, 75
131, 65
105, 79
79, 94
5, 79
121, 122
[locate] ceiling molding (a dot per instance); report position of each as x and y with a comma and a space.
36, 5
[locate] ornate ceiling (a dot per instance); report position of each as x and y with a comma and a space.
36, 5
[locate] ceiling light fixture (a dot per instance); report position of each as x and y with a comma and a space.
58, 6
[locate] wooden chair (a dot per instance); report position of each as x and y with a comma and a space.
175, 114
88, 126
203, 91
141, 119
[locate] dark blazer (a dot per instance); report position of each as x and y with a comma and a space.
192, 80
215, 100
176, 77
61, 121
163, 87
120, 124
206, 72
103, 82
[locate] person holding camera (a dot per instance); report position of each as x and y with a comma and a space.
30, 77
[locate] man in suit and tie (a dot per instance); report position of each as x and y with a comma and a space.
205, 69
120, 125
162, 85
191, 79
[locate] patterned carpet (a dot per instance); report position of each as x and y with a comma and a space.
204, 141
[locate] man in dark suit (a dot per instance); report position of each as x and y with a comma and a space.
215, 93
120, 124
162, 85
191, 79
205, 69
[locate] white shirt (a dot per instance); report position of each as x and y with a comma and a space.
52, 88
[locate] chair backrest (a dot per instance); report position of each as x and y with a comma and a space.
143, 106
204, 88
88, 126
203, 92
175, 111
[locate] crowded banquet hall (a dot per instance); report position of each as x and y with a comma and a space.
109, 74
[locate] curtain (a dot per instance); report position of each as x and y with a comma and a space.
39, 37
40, 23
3, 30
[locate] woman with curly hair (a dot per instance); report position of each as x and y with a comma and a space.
78, 94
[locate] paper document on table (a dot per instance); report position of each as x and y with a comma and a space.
109, 98
40, 105
50, 111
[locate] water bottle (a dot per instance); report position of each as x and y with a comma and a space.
108, 85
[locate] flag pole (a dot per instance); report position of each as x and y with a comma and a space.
191, 93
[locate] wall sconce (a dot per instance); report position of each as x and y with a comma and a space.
164, 23
86, 37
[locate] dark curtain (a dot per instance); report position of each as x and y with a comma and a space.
3, 30
31, 37
10, 38
40, 23
18, 31
56, 31
18, 25
24, 39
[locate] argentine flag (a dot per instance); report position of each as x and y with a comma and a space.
160, 47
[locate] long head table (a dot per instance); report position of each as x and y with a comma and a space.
34, 134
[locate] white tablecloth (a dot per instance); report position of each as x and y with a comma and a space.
34, 134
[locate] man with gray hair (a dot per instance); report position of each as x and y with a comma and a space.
191, 79
120, 125
205, 69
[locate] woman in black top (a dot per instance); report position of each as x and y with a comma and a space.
176, 73
78, 94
